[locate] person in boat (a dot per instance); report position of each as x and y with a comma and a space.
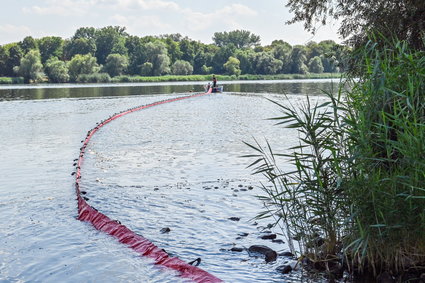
214, 82
208, 86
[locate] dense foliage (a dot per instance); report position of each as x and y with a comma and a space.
113, 51
403, 19
358, 182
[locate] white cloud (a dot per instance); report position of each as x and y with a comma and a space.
61, 7
238, 9
11, 29
146, 5
135, 23
11, 33
229, 15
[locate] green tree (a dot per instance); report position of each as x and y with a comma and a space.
3, 61
221, 57
156, 53
31, 68
146, 69
204, 57
15, 55
79, 46
232, 66
27, 44
82, 64
282, 50
161, 65
266, 64
56, 70
116, 64
206, 70
297, 60
181, 67
136, 53
50, 46
239, 38
404, 19
315, 65
85, 32
188, 49
173, 49
246, 58
110, 40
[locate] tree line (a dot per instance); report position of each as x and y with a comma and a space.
111, 51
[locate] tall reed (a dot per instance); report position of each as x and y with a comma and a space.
309, 203
387, 149
358, 184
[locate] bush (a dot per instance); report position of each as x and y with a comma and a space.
94, 78
386, 114
12, 80
358, 183
181, 67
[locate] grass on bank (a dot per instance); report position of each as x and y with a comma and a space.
358, 184
105, 78
11, 80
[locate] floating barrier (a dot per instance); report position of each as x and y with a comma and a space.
124, 235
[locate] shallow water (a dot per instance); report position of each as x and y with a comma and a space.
176, 165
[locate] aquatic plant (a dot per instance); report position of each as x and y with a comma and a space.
386, 189
358, 183
309, 202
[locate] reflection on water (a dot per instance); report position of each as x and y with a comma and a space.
177, 165
28, 92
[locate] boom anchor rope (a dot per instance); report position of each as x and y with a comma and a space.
124, 235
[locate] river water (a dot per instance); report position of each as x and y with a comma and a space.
175, 166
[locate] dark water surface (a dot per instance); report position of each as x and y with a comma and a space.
177, 165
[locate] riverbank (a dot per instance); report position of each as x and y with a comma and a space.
137, 79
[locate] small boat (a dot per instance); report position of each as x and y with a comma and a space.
217, 89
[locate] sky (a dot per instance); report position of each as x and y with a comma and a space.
197, 19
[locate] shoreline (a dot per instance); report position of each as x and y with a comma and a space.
189, 78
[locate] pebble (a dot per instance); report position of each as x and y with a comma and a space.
270, 255
268, 237
165, 230
234, 218
284, 269
235, 249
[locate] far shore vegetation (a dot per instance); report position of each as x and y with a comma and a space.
353, 201
110, 54
104, 78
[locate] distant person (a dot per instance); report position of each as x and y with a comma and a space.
208, 86
214, 82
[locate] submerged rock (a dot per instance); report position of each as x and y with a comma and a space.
270, 255
284, 269
235, 249
234, 218
165, 230
268, 237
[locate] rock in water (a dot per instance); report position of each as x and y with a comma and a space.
269, 237
284, 269
235, 249
165, 230
270, 254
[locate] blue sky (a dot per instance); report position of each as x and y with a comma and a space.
197, 19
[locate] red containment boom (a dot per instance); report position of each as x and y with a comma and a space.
124, 235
